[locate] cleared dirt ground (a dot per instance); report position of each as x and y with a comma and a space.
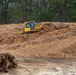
48, 52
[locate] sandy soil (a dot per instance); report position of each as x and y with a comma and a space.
55, 42
44, 66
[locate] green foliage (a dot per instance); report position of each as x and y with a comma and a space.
16, 11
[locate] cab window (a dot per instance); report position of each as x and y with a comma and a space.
27, 25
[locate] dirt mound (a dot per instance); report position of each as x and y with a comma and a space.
51, 27
70, 49
11, 32
56, 39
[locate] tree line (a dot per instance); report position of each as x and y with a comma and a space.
17, 11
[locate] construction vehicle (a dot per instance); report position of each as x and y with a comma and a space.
31, 26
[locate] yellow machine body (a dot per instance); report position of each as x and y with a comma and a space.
31, 27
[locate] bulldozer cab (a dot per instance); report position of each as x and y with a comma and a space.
30, 25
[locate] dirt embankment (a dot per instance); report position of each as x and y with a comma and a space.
55, 40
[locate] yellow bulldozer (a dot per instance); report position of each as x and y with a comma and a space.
31, 26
